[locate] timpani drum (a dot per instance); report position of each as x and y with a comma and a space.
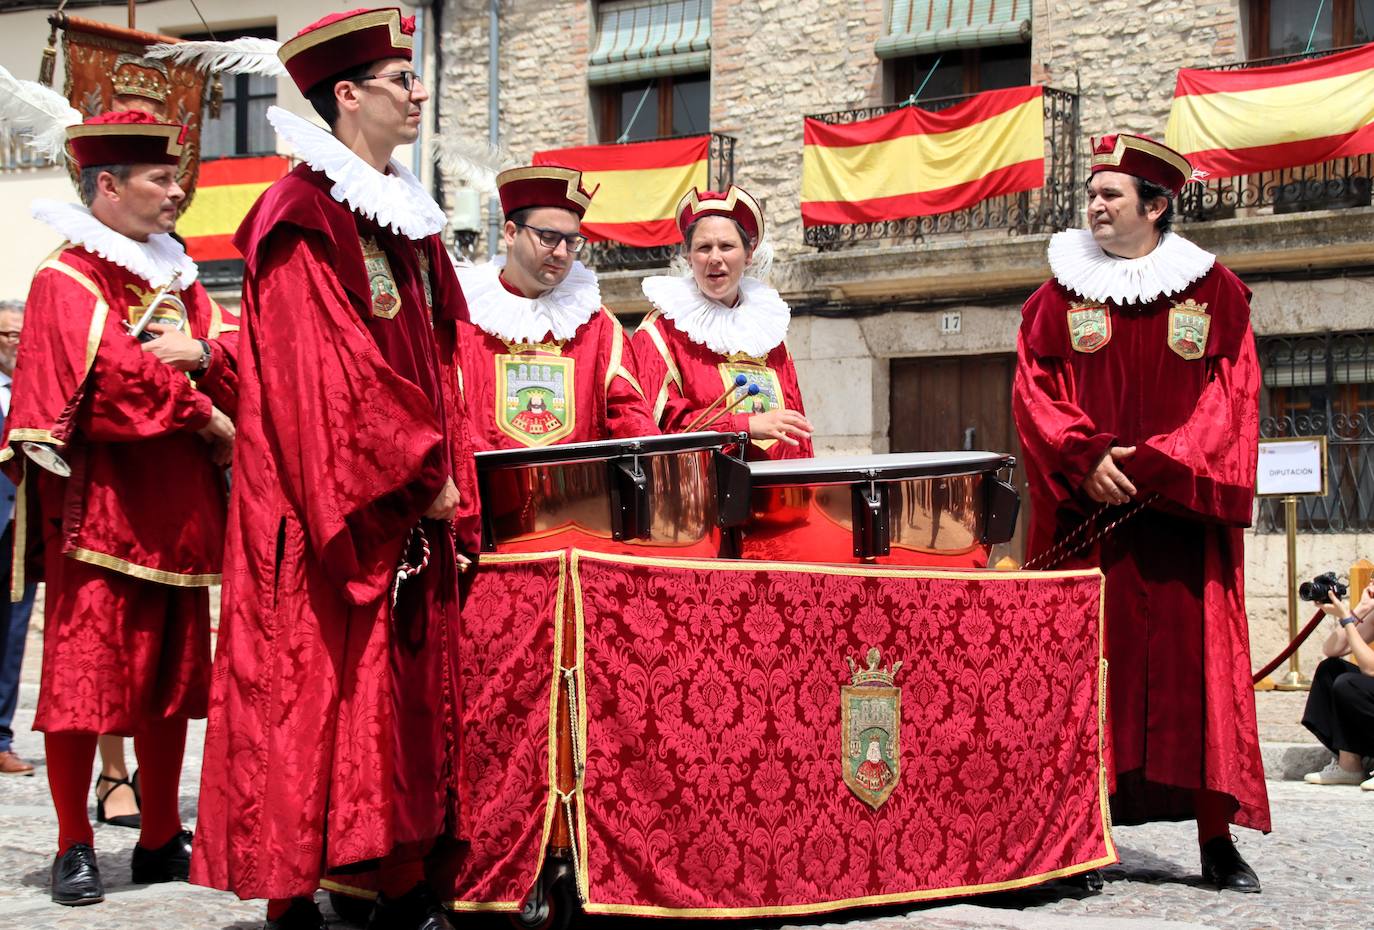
650, 495
940, 509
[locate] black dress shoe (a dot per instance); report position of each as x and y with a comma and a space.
303, 914
1223, 866
76, 877
170, 862
417, 909
1090, 882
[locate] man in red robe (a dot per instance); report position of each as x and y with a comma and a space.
1137, 387
543, 361
125, 519
332, 740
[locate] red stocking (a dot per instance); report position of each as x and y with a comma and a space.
70, 758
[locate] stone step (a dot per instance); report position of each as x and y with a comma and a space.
1291, 761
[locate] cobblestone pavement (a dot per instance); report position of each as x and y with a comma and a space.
1316, 867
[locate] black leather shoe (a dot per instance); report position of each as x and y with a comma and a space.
76, 877
170, 862
1090, 882
417, 909
1223, 866
303, 914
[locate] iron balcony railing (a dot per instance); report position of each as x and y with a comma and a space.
1329, 185
1322, 384
613, 256
15, 155
1047, 209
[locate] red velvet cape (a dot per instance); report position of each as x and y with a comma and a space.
607, 400
143, 500
332, 734
1181, 704
682, 378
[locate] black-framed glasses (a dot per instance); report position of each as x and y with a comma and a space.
549, 238
408, 79
9, 335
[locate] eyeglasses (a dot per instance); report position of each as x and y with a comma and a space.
549, 238
9, 335
408, 79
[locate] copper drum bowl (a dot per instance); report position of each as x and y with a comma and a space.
652, 495
939, 509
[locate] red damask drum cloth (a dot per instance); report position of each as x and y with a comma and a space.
588, 389
333, 719
1178, 379
681, 378
127, 633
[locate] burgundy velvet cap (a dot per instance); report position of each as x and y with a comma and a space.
1141, 158
130, 137
543, 186
734, 203
342, 41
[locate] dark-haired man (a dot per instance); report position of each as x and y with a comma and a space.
116, 447
1137, 386
540, 338
333, 721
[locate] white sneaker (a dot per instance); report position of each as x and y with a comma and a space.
1368, 785
1333, 774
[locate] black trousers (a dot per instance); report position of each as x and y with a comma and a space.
1340, 708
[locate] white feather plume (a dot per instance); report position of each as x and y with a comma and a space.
41, 110
247, 55
473, 162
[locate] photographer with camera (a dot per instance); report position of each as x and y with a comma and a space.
1340, 706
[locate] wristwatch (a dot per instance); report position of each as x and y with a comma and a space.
204, 358
1346, 621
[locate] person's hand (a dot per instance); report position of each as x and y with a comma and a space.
779, 424
1108, 484
464, 563
446, 504
1335, 607
1366, 604
219, 433
173, 347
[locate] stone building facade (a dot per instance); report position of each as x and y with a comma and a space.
906, 343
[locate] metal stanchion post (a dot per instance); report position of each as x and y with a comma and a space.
1294, 680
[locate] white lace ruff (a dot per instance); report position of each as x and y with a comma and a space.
512, 318
156, 261
756, 326
1079, 264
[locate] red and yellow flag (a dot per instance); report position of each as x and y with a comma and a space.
640, 186
912, 162
1240, 122
228, 189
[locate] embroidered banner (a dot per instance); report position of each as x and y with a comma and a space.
641, 184
228, 189
912, 162
771, 739
1261, 119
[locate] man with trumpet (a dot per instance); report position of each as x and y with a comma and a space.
126, 433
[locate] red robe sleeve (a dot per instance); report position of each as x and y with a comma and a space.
662, 383
450, 307
1207, 465
627, 412
220, 380
358, 452
134, 396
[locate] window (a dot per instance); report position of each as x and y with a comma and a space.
654, 109
1287, 27
242, 127
949, 48
650, 69
1323, 385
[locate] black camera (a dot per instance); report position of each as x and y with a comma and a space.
1319, 589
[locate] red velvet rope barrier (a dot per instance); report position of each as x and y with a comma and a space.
1290, 648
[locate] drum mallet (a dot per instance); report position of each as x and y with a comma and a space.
753, 389
740, 381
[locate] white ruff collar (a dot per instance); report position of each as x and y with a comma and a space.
756, 326
156, 261
395, 200
512, 318
1079, 264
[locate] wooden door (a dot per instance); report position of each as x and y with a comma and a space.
954, 403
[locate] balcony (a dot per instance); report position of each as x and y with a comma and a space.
15, 155
1048, 209
1326, 186
612, 256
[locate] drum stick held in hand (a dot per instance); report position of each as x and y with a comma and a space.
692, 427
753, 389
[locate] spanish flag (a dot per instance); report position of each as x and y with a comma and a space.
227, 190
640, 186
1241, 122
912, 162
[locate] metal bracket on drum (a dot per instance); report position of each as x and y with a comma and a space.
872, 535
732, 489
1001, 504
630, 518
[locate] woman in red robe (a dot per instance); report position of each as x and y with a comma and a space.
719, 323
